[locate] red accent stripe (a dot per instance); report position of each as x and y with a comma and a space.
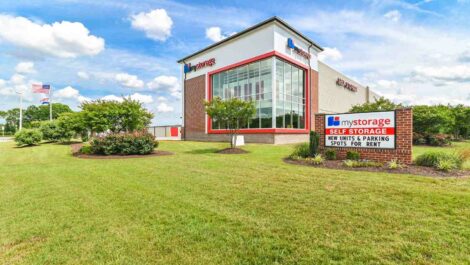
360, 131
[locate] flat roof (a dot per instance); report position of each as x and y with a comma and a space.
273, 19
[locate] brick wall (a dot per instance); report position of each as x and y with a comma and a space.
313, 97
404, 140
194, 114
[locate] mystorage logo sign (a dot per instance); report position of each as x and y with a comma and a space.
333, 121
360, 130
301, 52
189, 68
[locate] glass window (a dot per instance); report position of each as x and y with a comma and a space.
253, 82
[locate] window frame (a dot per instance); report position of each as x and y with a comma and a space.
273, 54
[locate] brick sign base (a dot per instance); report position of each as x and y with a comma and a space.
404, 140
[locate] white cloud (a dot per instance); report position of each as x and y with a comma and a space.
393, 15
164, 108
83, 75
387, 84
166, 83
456, 73
67, 92
146, 99
156, 24
128, 80
17, 79
215, 34
61, 39
25, 68
332, 54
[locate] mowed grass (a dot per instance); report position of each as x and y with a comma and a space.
455, 147
199, 207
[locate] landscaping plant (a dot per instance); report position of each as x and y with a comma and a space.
330, 154
233, 112
137, 143
316, 160
300, 151
364, 163
54, 131
353, 155
314, 143
28, 137
394, 164
441, 160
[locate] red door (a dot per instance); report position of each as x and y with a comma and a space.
174, 131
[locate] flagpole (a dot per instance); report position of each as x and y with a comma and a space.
21, 110
50, 104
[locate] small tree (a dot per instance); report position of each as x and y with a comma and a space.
233, 112
314, 143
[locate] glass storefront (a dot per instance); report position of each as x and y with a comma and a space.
254, 82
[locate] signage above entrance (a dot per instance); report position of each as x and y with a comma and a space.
189, 68
348, 86
299, 51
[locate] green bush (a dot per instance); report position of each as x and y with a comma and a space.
439, 139
137, 143
446, 165
353, 155
54, 131
314, 143
27, 137
86, 150
442, 159
330, 154
301, 150
364, 163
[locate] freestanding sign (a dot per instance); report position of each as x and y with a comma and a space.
361, 130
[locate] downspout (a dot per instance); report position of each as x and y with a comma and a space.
184, 103
310, 87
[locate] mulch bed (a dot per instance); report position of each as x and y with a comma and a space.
232, 151
76, 149
409, 169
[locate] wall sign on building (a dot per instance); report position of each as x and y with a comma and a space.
361, 130
347, 85
188, 67
301, 52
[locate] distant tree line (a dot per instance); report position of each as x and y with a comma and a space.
434, 125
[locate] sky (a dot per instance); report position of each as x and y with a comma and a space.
412, 52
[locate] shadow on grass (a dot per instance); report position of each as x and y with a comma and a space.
203, 151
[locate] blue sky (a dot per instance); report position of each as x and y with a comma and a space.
415, 52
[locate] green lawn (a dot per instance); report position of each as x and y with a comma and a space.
198, 207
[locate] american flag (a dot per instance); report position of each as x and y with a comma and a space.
45, 101
38, 88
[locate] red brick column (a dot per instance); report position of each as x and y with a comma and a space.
404, 140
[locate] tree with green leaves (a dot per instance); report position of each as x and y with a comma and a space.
233, 112
381, 104
126, 116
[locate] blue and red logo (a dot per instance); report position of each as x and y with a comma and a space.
333, 121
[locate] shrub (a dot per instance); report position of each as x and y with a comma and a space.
439, 139
330, 154
86, 150
353, 155
301, 150
137, 143
54, 131
433, 159
28, 137
394, 164
313, 144
419, 138
316, 160
446, 165
364, 163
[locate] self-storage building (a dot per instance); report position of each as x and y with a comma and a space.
277, 68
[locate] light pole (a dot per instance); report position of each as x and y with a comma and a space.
21, 109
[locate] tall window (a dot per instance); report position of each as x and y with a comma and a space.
254, 82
